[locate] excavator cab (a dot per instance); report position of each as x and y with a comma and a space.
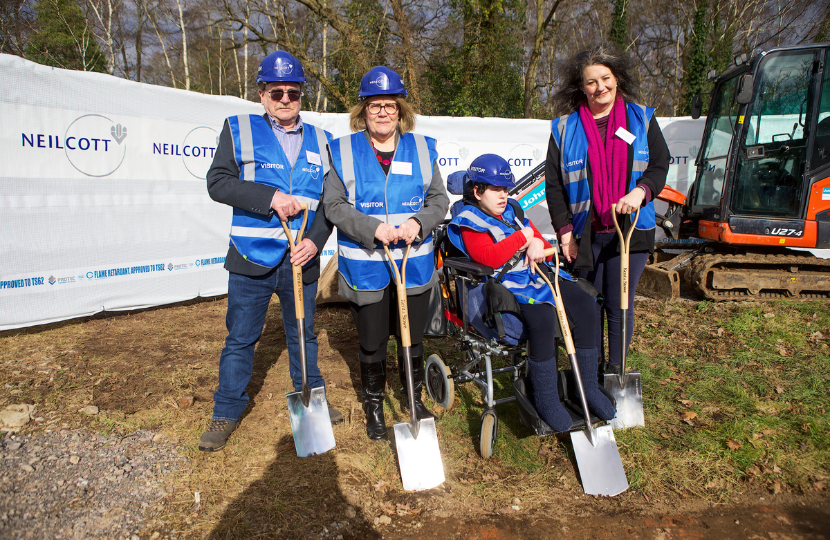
754, 172
763, 181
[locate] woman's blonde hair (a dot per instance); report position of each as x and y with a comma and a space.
406, 115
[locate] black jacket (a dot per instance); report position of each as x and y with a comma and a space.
560, 211
225, 186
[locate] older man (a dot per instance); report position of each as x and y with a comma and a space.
264, 167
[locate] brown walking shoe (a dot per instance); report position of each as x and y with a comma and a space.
216, 435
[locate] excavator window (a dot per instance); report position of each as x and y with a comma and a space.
821, 146
723, 114
773, 157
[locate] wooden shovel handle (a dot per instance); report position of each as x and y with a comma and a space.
560, 306
296, 269
400, 283
625, 245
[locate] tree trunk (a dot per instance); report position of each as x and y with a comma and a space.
410, 71
106, 26
184, 46
536, 53
151, 16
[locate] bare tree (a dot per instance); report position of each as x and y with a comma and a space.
104, 11
183, 27
544, 15
160, 35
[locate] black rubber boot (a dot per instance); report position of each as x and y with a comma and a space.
421, 410
373, 382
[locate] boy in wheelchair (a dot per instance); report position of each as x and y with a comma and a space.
491, 229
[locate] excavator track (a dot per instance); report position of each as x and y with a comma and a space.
759, 276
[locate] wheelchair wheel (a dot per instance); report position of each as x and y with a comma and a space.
440, 386
489, 432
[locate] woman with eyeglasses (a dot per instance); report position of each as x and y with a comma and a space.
605, 149
384, 189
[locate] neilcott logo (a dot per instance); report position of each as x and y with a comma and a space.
95, 145
414, 203
283, 67
313, 171
382, 81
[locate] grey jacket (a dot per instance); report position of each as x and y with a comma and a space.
361, 227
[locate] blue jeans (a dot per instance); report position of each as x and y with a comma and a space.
606, 278
248, 299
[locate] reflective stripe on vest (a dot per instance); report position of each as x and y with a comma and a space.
528, 288
261, 239
392, 200
569, 136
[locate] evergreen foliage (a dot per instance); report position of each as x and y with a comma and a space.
482, 76
63, 38
619, 25
694, 80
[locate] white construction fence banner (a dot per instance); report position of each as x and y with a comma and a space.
104, 204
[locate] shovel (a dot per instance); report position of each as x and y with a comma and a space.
626, 388
307, 409
597, 455
417, 441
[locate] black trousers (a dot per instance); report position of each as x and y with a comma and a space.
376, 322
540, 320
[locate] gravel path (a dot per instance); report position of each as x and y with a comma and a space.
73, 484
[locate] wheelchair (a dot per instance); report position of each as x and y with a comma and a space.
486, 353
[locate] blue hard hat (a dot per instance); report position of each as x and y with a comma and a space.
280, 66
491, 169
381, 81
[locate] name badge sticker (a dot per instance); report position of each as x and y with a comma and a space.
313, 157
625, 135
401, 167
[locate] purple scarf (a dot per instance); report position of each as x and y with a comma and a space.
609, 162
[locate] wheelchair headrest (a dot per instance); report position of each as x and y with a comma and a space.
457, 183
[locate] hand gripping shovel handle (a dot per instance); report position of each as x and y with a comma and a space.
406, 340
569, 344
299, 305
625, 246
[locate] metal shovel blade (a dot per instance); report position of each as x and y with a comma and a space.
311, 425
419, 457
599, 466
629, 399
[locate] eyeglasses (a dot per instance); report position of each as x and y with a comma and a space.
390, 108
293, 95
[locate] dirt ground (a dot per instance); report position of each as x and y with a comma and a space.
157, 368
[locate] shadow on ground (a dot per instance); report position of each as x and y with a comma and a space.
285, 503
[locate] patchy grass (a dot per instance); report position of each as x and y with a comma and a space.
736, 395
736, 399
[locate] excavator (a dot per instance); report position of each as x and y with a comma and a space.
759, 206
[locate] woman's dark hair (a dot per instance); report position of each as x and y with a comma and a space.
568, 98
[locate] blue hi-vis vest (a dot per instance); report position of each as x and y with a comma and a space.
392, 200
528, 288
261, 239
570, 137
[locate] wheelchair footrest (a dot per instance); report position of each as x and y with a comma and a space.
531, 419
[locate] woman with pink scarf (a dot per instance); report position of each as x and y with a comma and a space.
606, 149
